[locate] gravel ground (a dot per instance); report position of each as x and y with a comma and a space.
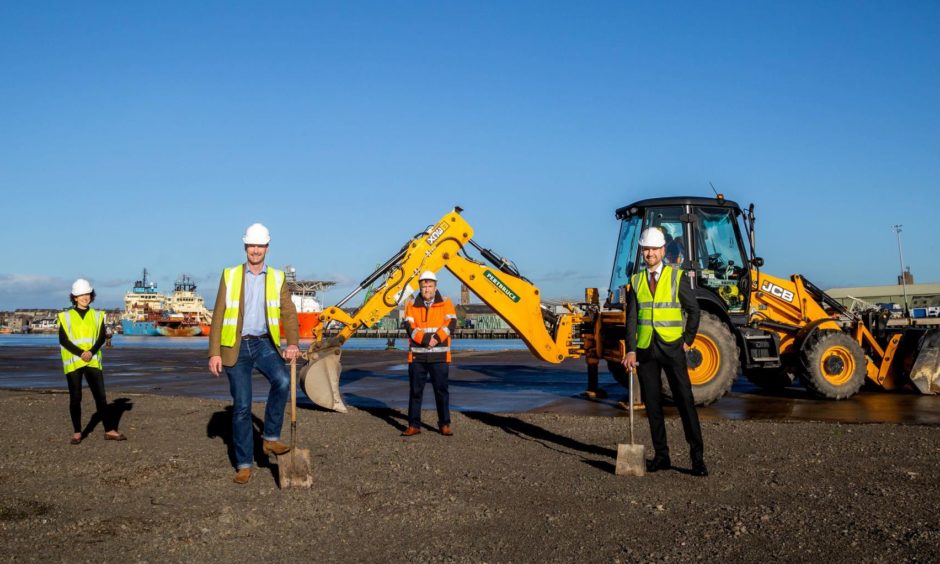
521, 487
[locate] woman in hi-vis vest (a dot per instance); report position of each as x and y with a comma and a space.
81, 336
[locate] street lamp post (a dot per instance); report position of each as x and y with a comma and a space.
897, 230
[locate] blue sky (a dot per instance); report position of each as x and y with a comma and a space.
150, 134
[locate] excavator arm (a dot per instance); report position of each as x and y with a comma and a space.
548, 336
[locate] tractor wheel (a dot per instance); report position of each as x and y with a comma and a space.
834, 365
714, 361
770, 378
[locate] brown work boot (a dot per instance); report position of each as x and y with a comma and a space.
242, 476
446, 431
274, 447
411, 431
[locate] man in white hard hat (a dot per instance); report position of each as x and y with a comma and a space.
657, 340
253, 312
430, 319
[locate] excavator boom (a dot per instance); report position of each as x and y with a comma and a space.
549, 336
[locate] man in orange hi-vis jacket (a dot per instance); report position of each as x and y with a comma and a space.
429, 320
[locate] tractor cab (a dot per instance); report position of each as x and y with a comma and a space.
703, 237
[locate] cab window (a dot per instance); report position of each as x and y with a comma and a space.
720, 261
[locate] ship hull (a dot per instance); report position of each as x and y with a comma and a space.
307, 322
139, 328
178, 330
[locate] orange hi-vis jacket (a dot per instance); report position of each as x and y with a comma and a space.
421, 322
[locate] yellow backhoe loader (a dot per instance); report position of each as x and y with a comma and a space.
774, 330
770, 328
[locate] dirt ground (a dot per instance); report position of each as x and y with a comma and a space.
520, 487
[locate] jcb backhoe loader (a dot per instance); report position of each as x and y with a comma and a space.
772, 328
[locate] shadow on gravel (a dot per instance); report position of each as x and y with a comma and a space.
601, 465
530, 432
116, 411
393, 417
220, 427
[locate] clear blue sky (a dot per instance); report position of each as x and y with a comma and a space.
150, 134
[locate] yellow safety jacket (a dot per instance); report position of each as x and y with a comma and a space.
83, 332
661, 313
272, 302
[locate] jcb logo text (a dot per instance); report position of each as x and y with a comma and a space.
774, 290
438, 231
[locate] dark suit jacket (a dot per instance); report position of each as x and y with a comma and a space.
689, 308
289, 328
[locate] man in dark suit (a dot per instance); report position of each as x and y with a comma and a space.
657, 339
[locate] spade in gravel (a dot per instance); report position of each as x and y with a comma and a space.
294, 466
631, 458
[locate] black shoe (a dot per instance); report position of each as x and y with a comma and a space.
658, 464
699, 469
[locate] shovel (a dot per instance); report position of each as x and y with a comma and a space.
631, 458
293, 468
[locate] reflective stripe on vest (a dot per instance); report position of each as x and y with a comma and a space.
661, 313
424, 350
234, 277
83, 333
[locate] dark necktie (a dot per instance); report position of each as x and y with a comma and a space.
652, 283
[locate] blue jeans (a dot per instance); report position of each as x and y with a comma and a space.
260, 354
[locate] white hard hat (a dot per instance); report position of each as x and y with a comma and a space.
427, 275
257, 234
81, 287
652, 237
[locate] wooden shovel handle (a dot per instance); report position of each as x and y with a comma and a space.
293, 391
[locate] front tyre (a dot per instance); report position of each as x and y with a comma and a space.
714, 361
834, 365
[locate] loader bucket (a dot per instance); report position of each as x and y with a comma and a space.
317, 378
926, 370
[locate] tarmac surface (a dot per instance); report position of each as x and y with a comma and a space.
496, 382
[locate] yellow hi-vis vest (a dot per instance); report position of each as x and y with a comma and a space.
272, 303
661, 313
83, 332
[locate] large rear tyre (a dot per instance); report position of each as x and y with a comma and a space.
714, 361
834, 365
770, 378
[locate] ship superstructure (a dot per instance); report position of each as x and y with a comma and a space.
185, 314
143, 305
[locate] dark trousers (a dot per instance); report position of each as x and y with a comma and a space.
95, 379
669, 358
418, 375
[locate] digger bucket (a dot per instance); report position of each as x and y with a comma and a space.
926, 370
318, 376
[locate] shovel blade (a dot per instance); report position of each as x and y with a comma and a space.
631, 460
926, 370
315, 378
293, 469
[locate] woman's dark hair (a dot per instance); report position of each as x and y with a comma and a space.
75, 303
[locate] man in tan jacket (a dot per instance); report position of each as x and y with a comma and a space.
253, 311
